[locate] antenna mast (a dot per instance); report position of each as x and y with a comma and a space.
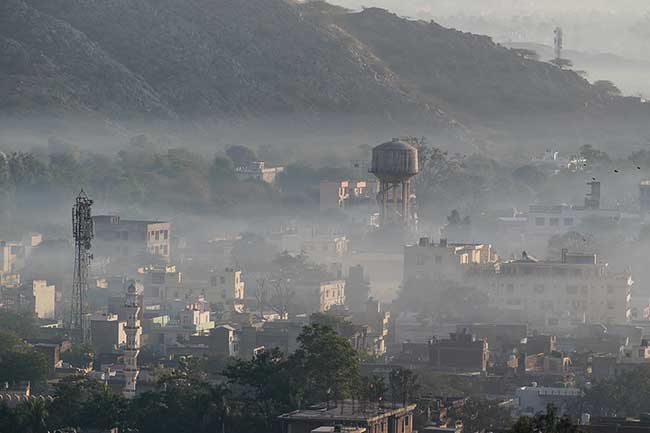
559, 42
82, 231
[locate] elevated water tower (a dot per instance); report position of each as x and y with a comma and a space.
394, 163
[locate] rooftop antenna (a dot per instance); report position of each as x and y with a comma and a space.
82, 231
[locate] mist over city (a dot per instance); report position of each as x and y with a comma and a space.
283, 216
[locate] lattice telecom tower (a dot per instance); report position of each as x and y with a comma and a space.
82, 231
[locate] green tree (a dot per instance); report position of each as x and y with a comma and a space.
20, 362
480, 415
266, 386
326, 363
86, 403
241, 155
80, 356
403, 385
8, 419
32, 416
181, 403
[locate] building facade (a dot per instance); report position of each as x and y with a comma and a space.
121, 238
576, 289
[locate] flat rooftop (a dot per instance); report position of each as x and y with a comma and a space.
348, 411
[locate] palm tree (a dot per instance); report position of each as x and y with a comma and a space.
32, 416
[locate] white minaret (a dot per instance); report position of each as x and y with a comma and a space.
132, 331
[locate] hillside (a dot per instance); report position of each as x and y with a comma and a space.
469, 72
215, 58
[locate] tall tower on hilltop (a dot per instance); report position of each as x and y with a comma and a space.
558, 42
132, 350
82, 231
394, 163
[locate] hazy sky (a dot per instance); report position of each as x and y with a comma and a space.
506, 7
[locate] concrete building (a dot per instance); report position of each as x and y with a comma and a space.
107, 333
461, 352
357, 288
132, 239
545, 221
34, 297
374, 417
195, 318
500, 337
12, 260
443, 261
44, 299
330, 294
280, 334
325, 248
535, 399
224, 342
578, 288
347, 193
161, 284
226, 285
644, 196
258, 170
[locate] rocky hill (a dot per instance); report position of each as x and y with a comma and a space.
190, 58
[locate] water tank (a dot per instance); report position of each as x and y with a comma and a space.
394, 161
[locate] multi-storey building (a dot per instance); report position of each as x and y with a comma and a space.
225, 285
12, 257
461, 352
131, 239
347, 193
161, 284
330, 293
428, 261
577, 288
35, 297
545, 221
258, 170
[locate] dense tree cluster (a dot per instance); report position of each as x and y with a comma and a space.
248, 395
19, 362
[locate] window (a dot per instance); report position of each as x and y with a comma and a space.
611, 305
166, 234
554, 221
568, 221
213, 281
540, 221
572, 290
158, 278
157, 235
438, 260
538, 288
421, 260
155, 292
222, 279
510, 288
